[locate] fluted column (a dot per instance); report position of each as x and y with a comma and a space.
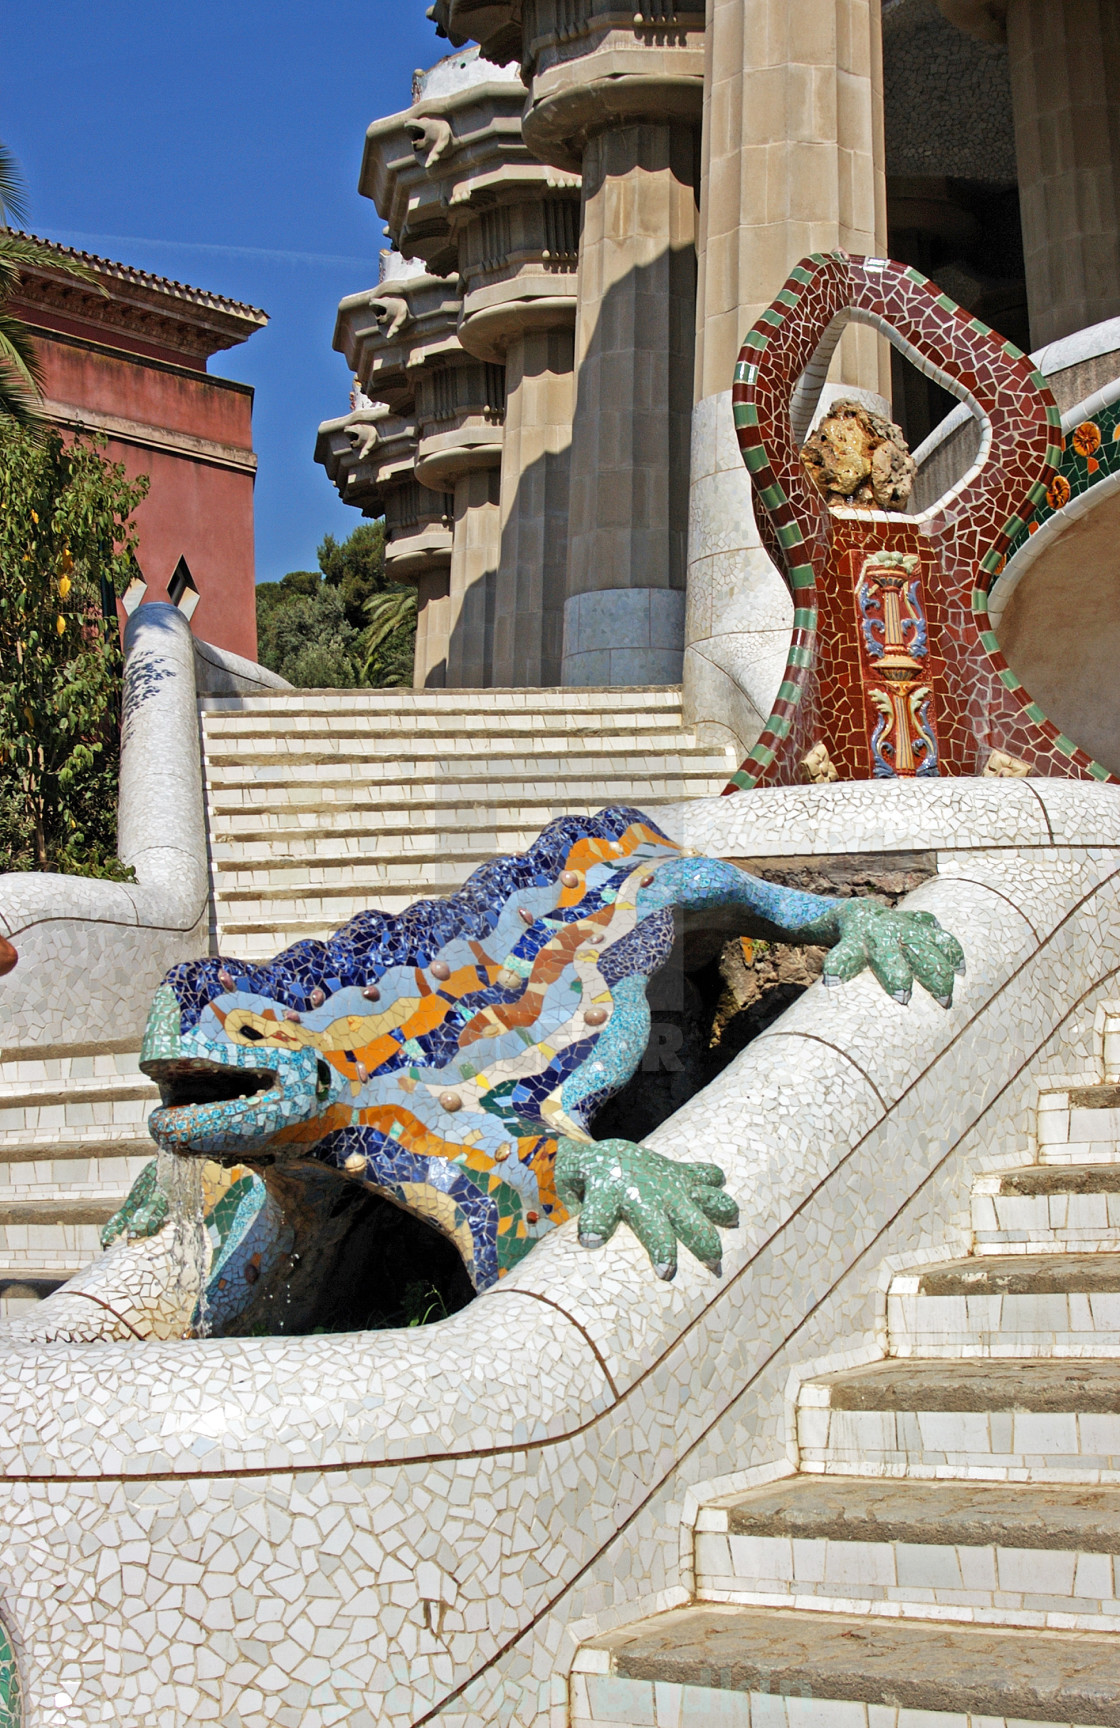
634, 336
460, 408
529, 614
792, 163
617, 95
518, 263
1065, 93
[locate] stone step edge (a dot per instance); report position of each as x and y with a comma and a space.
1065, 1274
1041, 1676
68, 1052
91, 1090
1067, 1386
61, 1211
942, 1513
472, 723
466, 694
51, 1149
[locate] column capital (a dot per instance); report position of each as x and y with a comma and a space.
609, 66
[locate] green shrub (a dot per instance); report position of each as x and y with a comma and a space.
67, 550
344, 626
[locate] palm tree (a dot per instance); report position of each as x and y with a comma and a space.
21, 376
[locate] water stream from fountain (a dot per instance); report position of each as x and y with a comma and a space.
181, 1180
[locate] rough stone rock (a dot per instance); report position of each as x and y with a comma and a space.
857, 458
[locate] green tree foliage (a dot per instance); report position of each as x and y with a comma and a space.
67, 550
343, 626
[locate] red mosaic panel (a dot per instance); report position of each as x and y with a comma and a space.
971, 701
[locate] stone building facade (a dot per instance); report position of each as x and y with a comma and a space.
589, 207
124, 356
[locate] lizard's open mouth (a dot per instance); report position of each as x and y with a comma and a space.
194, 1080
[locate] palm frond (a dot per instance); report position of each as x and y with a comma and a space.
391, 614
21, 373
17, 252
13, 198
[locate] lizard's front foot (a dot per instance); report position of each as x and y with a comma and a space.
898, 946
662, 1201
143, 1211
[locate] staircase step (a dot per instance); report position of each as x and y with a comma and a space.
986, 1553
735, 1667
35, 1108
452, 701
1019, 1305
92, 1144
1047, 1209
306, 751
1080, 1124
1054, 1420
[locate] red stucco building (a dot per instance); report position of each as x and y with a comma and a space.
131, 363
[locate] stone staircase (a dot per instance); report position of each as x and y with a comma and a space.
319, 804
322, 803
951, 1545
73, 1137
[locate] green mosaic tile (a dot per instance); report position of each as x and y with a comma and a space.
11, 1700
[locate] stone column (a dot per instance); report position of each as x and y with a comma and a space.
792, 162
433, 630
617, 96
518, 263
458, 187
475, 552
633, 353
529, 613
1065, 92
460, 406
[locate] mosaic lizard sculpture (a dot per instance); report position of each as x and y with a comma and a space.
452, 1058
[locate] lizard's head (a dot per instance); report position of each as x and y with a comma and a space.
228, 1089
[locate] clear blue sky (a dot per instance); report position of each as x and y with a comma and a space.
220, 144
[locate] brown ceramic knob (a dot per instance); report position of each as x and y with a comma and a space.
570, 878
594, 1016
317, 997
252, 1273
294, 1015
451, 1101
440, 969
525, 915
645, 881
531, 1217
371, 993
8, 957
224, 979
501, 1154
362, 1072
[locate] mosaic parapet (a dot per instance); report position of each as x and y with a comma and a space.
379, 1528
90, 952
958, 701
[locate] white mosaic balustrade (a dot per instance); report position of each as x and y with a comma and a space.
395, 1528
